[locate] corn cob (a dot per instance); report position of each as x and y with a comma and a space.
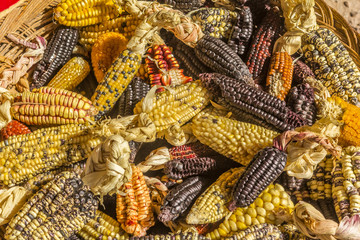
102, 227
60, 209
134, 209
180, 198
177, 236
301, 100
188, 61
290, 232
56, 54
271, 201
210, 207
264, 168
254, 102
258, 8
263, 231
220, 58
301, 72
184, 5
182, 168
142, 73
125, 24
291, 183
262, 43
84, 13
216, 22
177, 106
14, 128
106, 49
71, 74
46, 106
25, 156
332, 64
163, 68
280, 75
241, 31
169, 183
236, 140
116, 80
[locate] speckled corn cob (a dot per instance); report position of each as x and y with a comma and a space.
332, 64
102, 227
272, 200
82, 13
210, 207
14, 128
260, 105
180, 198
60, 209
125, 24
290, 232
116, 80
177, 106
175, 236
25, 156
133, 210
263, 231
56, 54
241, 31
47, 105
236, 140
71, 74
184, 5
216, 22
220, 58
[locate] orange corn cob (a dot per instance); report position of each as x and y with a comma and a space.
106, 49
280, 75
46, 105
14, 128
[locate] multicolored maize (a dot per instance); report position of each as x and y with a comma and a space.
184, 5
220, 58
301, 72
116, 80
236, 140
124, 24
71, 74
240, 97
47, 105
290, 232
85, 12
280, 75
176, 106
56, 54
262, 231
14, 128
133, 209
210, 207
178, 236
271, 201
332, 64
25, 156
58, 210
105, 50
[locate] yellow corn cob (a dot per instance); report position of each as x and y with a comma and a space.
143, 73
133, 210
116, 80
24, 156
82, 13
210, 207
102, 227
236, 140
263, 231
106, 49
125, 25
177, 105
46, 105
272, 200
71, 74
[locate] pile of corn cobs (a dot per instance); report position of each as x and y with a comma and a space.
261, 144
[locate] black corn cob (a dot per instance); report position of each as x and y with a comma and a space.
180, 198
241, 31
56, 54
134, 148
60, 208
291, 183
182, 168
262, 43
184, 5
301, 100
263, 169
256, 103
172, 236
218, 56
301, 72
264, 231
258, 9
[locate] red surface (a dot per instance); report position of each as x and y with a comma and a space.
4, 4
